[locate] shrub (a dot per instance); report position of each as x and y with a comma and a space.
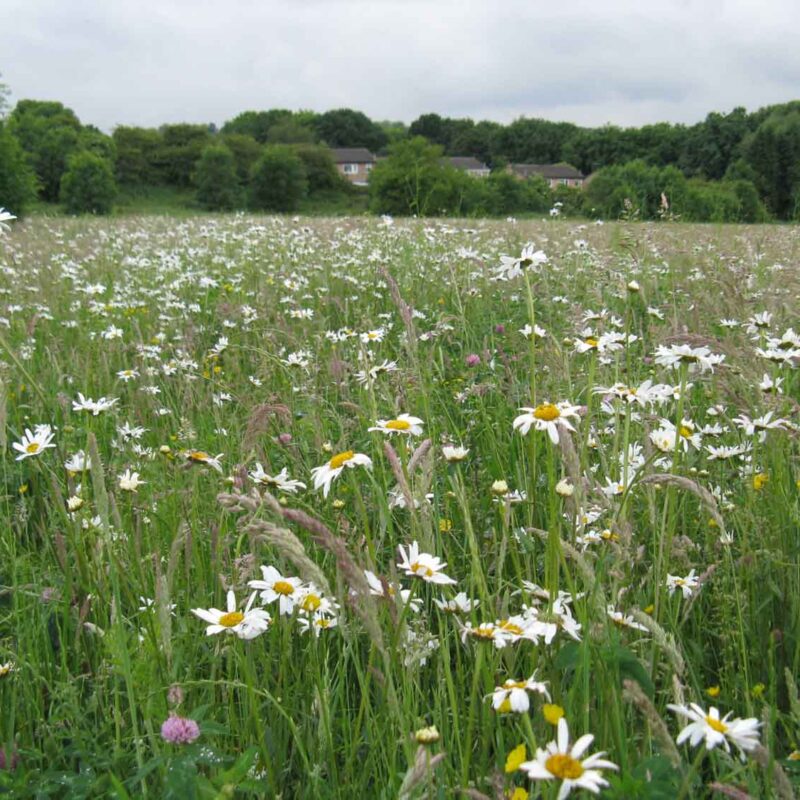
87, 187
17, 179
216, 179
278, 180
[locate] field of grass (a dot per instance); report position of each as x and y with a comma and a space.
498, 539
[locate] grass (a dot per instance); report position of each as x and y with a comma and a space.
245, 337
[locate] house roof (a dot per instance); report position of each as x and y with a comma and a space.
547, 171
352, 155
467, 163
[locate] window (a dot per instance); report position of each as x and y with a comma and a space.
369, 167
564, 182
351, 169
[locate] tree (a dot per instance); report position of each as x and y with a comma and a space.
136, 160
278, 180
49, 133
246, 151
256, 123
321, 172
217, 183
773, 153
290, 131
415, 180
181, 146
344, 127
88, 185
5, 92
17, 179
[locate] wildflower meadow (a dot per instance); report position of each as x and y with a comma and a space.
375, 508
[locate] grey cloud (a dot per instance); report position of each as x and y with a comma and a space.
195, 60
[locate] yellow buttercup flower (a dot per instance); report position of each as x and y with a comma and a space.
515, 758
552, 713
713, 691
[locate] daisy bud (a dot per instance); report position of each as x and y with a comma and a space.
427, 735
564, 488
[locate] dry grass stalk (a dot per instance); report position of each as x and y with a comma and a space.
780, 783
633, 693
399, 475
729, 791
420, 773
705, 497
666, 641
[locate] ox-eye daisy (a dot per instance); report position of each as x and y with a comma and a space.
275, 586
513, 695
422, 565
403, 423
32, 444
281, 481
712, 729
546, 417
561, 762
245, 624
323, 476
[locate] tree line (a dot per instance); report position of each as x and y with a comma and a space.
737, 166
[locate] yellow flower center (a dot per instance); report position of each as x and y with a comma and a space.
323, 623
311, 602
398, 425
505, 706
716, 724
340, 459
487, 632
515, 685
421, 569
563, 766
547, 412
591, 341
198, 455
511, 627
282, 587
231, 619
32, 448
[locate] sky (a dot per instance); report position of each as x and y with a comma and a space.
624, 62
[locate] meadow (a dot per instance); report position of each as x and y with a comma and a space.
375, 508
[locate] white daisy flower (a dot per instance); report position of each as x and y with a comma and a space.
712, 729
32, 444
559, 761
422, 565
281, 481
325, 475
245, 624
404, 423
275, 586
547, 417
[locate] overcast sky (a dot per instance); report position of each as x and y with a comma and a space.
628, 62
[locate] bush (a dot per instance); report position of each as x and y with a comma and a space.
321, 172
414, 180
216, 179
87, 187
17, 178
278, 180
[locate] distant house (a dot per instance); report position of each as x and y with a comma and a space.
354, 163
555, 174
469, 165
